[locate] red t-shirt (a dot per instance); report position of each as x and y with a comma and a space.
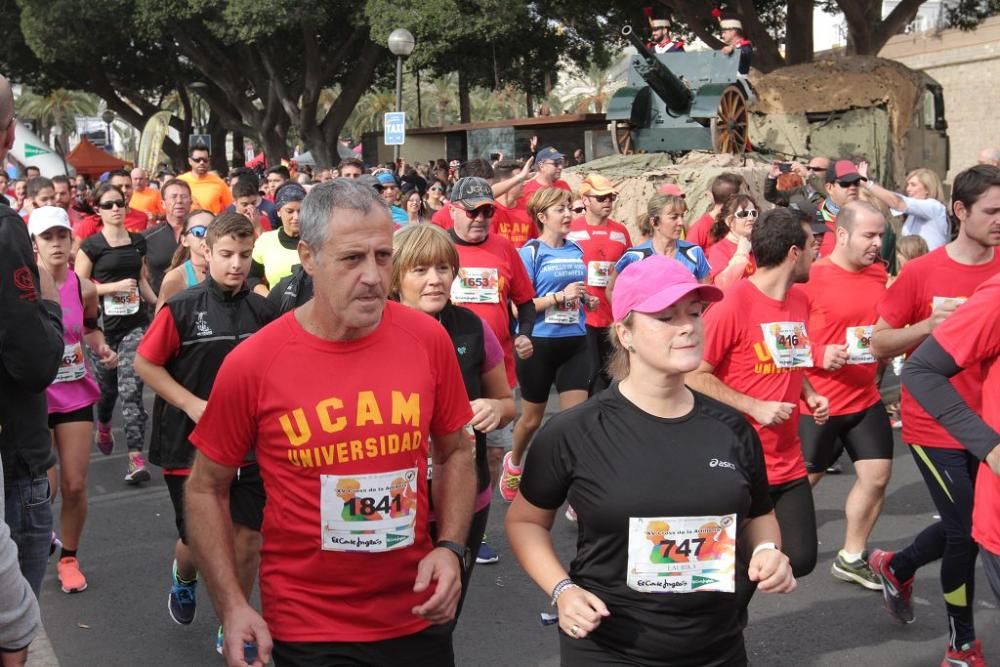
735, 346
910, 300
972, 337
843, 308
442, 217
720, 254
344, 442
135, 221
513, 224
603, 246
533, 186
492, 275
698, 233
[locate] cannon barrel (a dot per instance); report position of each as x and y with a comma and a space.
668, 87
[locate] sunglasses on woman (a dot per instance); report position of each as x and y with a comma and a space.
109, 205
198, 231
747, 213
436, 189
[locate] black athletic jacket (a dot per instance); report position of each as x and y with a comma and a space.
210, 322
31, 349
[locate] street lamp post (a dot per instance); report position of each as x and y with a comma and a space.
109, 117
401, 45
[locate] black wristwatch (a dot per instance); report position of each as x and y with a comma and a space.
462, 552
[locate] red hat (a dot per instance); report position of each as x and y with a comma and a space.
846, 171
671, 189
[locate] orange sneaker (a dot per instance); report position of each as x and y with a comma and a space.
70, 577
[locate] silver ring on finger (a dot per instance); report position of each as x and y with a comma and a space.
574, 630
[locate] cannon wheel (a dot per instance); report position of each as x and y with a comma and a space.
729, 127
621, 135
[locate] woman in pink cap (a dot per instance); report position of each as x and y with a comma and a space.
651, 461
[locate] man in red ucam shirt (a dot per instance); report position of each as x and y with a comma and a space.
604, 241
844, 290
342, 400
928, 291
757, 350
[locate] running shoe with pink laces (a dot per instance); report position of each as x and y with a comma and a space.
105, 440
897, 594
137, 469
510, 479
70, 578
970, 655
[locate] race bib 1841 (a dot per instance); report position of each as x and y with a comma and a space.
684, 554
476, 285
788, 344
371, 513
119, 304
859, 345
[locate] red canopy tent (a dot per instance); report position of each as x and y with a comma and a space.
91, 161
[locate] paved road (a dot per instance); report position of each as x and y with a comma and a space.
121, 620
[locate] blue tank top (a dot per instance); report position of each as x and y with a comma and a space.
190, 275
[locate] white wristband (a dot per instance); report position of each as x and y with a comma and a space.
763, 546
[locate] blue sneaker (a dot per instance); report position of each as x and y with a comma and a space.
249, 648
487, 554
182, 604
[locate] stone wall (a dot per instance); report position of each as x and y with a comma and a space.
967, 65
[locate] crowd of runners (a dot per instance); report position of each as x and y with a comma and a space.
349, 365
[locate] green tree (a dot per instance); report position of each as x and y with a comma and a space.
59, 108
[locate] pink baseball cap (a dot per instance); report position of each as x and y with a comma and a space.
655, 283
671, 189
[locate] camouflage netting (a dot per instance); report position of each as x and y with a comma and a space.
637, 178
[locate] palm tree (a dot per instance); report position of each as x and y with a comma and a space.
590, 90
59, 108
369, 112
443, 98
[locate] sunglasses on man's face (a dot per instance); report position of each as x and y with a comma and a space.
198, 231
109, 205
818, 170
200, 160
555, 163
485, 211
605, 198
747, 213
579, 209
852, 184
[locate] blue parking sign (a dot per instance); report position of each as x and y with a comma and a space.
395, 128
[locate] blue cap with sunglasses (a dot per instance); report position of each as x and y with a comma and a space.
471, 192
548, 153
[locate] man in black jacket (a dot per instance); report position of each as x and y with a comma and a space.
31, 349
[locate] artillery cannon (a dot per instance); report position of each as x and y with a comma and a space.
675, 102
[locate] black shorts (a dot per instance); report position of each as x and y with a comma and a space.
865, 435
566, 361
84, 414
246, 499
429, 648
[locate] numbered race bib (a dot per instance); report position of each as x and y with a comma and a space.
859, 345
476, 285
939, 300
72, 367
118, 304
684, 554
598, 273
788, 343
563, 313
371, 513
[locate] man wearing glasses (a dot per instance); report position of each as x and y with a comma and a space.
603, 241
549, 163
208, 190
843, 182
163, 239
